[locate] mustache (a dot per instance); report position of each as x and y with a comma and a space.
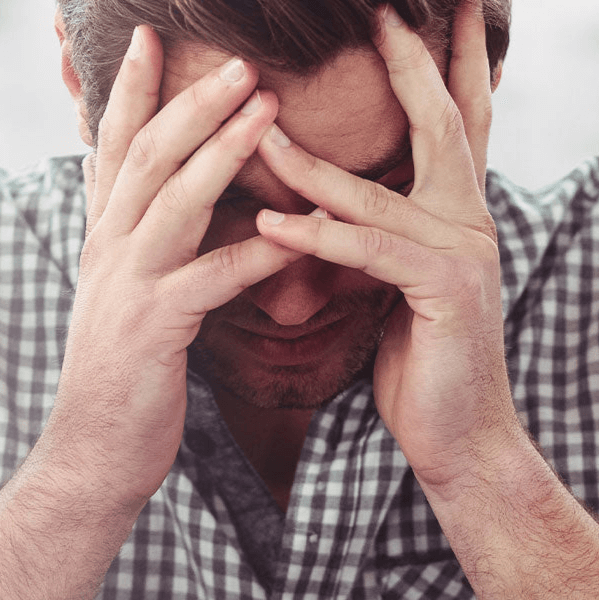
243, 313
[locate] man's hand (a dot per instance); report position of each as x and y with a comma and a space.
142, 294
142, 290
440, 381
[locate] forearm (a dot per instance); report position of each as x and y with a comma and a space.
517, 531
58, 534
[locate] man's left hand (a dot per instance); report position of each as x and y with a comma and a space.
440, 380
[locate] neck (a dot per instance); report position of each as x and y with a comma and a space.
271, 439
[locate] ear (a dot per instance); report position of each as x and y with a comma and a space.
496, 78
71, 79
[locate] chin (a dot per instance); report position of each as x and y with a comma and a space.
310, 385
306, 387
241, 352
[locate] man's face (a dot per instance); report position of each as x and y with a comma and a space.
299, 337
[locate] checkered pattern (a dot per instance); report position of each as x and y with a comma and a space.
358, 525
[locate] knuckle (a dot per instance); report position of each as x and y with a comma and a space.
230, 139
470, 274
173, 196
197, 98
376, 200
478, 110
106, 133
235, 146
88, 164
227, 261
201, 105
142, 154
374, 242
451, 121
311, 172
461, 278
91, 253
413, 55
311, 165
320, 236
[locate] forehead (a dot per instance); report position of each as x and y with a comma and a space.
346, 113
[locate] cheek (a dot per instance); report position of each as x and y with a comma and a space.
228, 226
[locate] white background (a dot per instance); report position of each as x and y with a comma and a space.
546, 109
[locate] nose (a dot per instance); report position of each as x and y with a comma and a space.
298, 292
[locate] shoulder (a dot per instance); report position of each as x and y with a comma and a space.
540, 231
548, 207
577, 190
42, 225
42, 212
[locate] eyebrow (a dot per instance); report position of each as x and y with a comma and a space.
400, 151
386, 164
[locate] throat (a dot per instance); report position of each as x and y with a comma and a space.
271, 439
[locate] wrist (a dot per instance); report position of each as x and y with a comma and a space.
83, 478
514, 527
493, 462
60, 531
124, 445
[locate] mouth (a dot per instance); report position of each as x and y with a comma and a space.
288, 346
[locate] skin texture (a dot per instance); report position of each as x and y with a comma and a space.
144, 293
253, 349
437, 248
250, 347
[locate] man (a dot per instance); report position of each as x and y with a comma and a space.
287, 482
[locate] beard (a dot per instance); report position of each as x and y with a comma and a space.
313, 383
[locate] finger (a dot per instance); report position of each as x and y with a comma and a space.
168, 140
436, 282
470, 81
88, 165
380, 254
133, 102
175, 223
218, 276
442, 158
347, 196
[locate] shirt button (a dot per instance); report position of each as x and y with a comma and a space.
313, 538
321, 486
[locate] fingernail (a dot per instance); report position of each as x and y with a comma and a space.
135, 46
319, 213
270, 217
233, 70
253, 104
391, 17
279, 138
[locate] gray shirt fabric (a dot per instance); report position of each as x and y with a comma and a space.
358, 524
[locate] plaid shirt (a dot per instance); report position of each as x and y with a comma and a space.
358, 525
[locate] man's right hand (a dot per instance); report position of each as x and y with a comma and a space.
143, 291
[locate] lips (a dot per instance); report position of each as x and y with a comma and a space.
287, 346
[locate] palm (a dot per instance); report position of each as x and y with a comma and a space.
418, 387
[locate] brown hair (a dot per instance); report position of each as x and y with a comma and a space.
295, 35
